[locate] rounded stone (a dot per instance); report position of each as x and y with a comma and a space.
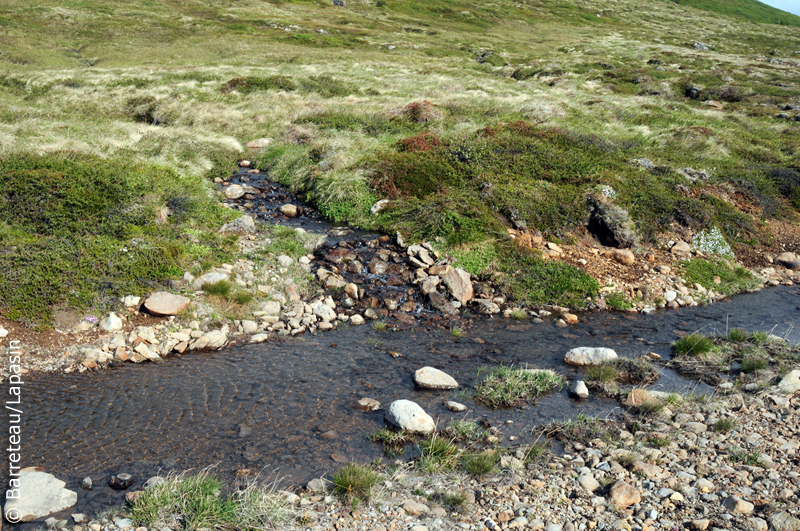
430, 378
164, 303
589, 356
409, 417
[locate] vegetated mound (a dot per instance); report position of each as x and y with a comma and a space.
79, 231
751, 10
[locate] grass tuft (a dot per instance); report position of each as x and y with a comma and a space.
724, 425
354, 482
693, 345
480, 464
508, 386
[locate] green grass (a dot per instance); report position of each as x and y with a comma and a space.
738, 335
221, 288
465, 431
659, 441
438, 454
636, 371
519, 315
509, 386
749, 10
751, 458
725, 425
618, 301
733, 279
457, 331
480, 464
379, 326
196, 502
81, 231
393, 441
753, 364
693, 345
354, 482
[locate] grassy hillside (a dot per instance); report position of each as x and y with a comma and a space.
750, 10
473, 117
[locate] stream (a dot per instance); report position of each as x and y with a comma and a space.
264, 408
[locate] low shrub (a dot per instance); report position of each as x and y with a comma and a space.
692, 345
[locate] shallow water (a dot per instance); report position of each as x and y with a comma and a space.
265, 406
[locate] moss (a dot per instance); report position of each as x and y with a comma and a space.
732, 279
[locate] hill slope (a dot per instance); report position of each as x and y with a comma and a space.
751, 10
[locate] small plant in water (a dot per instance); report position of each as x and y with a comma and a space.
457, 331
738, 335
518, 314
508, 386
692, 345
379, 326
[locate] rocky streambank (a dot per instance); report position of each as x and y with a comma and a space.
723, 461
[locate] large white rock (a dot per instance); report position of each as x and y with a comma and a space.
430, 378
791, 382
458, 282
409, 417
165, 303
112, 323
234, 191
589, 356
210, 340
40, 495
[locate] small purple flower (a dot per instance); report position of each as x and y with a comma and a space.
91, 319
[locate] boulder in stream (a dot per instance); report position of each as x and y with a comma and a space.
410, 417
430, 378
588, 356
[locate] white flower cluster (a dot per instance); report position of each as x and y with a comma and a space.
607, 191
712, 242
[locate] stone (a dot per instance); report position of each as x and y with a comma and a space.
289, 210
244, 223
588, 482
249, 327
622, 495
378, 206
430, 378
271, 308
609, 223
258, 145
588, 356
790, 382
324, 312
377, 266
131, 301
701, 525
789, 261
455, 406
784, 521
570, 318
410, 417
212, 277
123, 523
86, 484
330, 279
415, 509
164, 303
285, 261
439, 302
210, 340
367, 404
40, 495
758, 524
578, 388
153, 481
429, 284
695, 427
121, 481
737, 505
112, 323
647, 470
316, 485
356, 320
80, 518
234, 191
624, 257
486, 306
143, 352
458, 282
681, 247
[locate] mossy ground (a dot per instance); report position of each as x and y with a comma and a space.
472, 118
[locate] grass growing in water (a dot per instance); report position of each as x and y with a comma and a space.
196, 502
693, 345
508, 386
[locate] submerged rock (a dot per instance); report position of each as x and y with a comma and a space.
410, 417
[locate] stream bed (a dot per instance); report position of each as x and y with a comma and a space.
264, 407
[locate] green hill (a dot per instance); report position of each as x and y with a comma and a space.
751, 10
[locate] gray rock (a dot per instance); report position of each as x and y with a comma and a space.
164, 303
415, 509
588, 482
316, 485
430, 378
410, 417
131, 301
737, 505
588, 356
700, 47
681, 248
790, 382
439, 302
380, 205
784, 521
210, 340
234, 191
111, 323
458, 282
259, 144
249, 327
429, 284
578, 388
324, 312
788, 260
290, 211
610, 224
330, 279
40, 495
486, 306
455, 406
86, 484
242, 224
356, 320
285, 261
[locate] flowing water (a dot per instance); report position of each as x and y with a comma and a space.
265, 407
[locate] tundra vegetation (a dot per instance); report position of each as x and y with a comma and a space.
471, 117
